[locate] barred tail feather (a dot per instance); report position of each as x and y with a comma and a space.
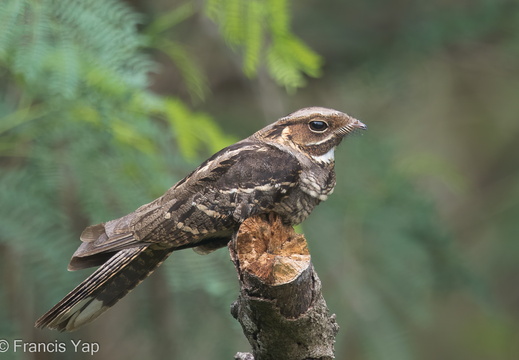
101, 290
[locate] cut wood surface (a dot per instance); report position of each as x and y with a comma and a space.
280, 307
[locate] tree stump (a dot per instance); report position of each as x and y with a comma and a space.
280, 307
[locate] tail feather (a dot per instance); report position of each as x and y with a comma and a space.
101, 290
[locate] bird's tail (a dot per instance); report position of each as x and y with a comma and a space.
101, 290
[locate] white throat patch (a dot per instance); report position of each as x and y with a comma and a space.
325, 158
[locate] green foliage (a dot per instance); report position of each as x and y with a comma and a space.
52, 46
262, 30
82, 138
192, 75
96, 76
188, 128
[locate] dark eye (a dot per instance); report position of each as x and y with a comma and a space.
318, 126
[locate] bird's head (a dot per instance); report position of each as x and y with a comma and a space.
314, 131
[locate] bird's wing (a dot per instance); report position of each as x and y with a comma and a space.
240, 181
246, 164
255, 180
250, 179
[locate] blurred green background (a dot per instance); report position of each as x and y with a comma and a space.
106, 104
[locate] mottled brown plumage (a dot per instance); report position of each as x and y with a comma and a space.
285, 168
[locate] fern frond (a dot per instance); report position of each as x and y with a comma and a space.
278, 17
282, 68
254, 35
288, 59
213, 9
262, 29
55, 41
10, 13
64, 82
233, 22
193, 129
170, 19
193, 77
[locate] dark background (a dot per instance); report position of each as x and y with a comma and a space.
418, 247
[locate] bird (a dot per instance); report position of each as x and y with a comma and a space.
286, 168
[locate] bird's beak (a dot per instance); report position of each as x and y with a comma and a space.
357, 124
352, 126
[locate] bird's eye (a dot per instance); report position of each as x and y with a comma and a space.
317, 126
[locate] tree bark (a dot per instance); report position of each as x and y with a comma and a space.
280, 307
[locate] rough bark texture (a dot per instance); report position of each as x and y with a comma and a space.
280, 307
